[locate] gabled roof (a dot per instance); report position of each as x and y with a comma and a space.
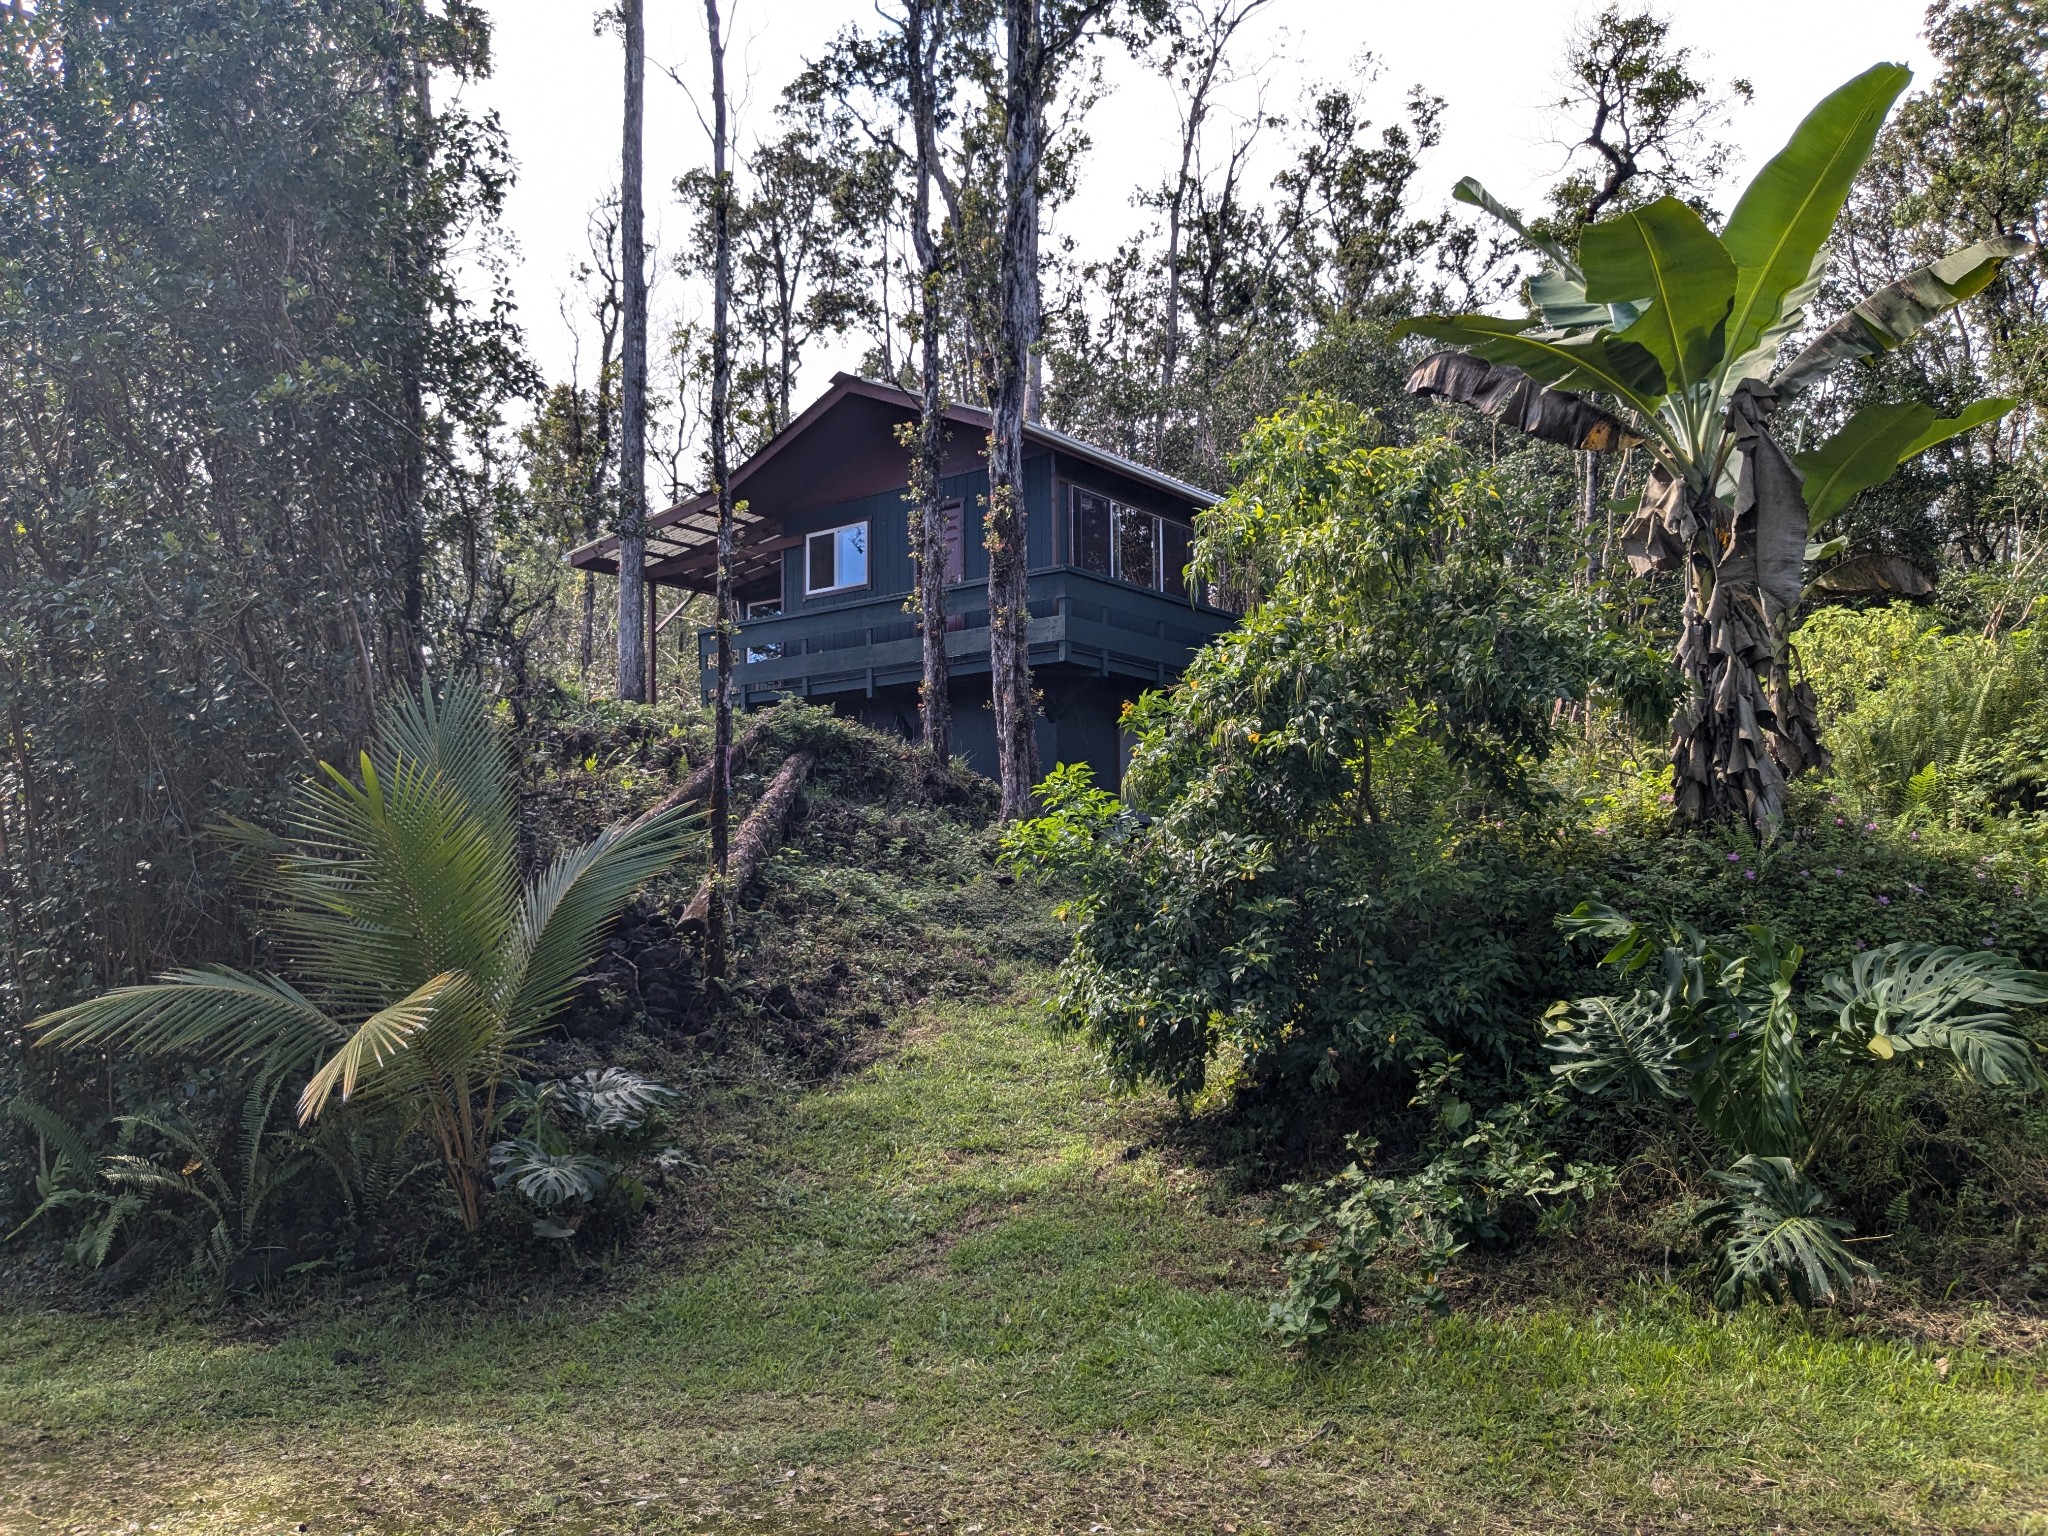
682, 542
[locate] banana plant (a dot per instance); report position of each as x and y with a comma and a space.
1678, 331
1725, 1024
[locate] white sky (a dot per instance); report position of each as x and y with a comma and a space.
557, 88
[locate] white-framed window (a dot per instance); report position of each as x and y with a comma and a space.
836, 559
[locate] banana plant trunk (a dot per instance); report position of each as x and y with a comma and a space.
1742, 728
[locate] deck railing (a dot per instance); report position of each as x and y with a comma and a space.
1078, 618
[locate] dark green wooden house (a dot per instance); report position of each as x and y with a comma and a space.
823, 568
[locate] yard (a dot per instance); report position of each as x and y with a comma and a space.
961, 1288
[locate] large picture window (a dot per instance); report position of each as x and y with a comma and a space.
1138, 547
836, 559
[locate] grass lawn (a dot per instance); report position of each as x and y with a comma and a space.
964, 1290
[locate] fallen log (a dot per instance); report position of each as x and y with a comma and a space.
757, 838
698, 784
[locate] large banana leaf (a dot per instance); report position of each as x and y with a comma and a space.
1470, 191
1509, 395
1896, 313
1559, 359
1664, 253
1559, 291
1761, 360
1563, 303
1875, 442
1783, 219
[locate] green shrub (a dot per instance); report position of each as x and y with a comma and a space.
1492, 1180
1924, 721
1729, 1026
1334, 865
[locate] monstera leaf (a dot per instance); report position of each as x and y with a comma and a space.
1775, 1238
1920, 997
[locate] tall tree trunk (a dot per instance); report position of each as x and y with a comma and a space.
718, 916
1017, 321
924, 37
404, 535
598, 457
633, 383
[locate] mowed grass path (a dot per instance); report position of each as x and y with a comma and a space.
952, 1295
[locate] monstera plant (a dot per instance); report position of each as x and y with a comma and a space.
1678, 331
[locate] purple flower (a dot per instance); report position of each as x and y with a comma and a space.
1915, 836
1734, 858
1982, 876
1884, 901
2017, 891
1870, 826
1861, 945
1839, 821
1838, 869
1749, 874
1804, 873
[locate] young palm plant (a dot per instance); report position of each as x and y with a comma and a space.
1678, 331
420, 966
1718, 1023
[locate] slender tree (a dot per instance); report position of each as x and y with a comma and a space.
717, 926
924, 40
1202, 34
1039, 36
633, 658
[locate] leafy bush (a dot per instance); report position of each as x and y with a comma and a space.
1721, 1023
1931, 722
1331, 866
1411, 1229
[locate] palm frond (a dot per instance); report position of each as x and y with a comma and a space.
377, 1041
393, 880
1775, 1238
568, 909
455, 738
215, 1012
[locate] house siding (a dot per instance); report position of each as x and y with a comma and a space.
891, 571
